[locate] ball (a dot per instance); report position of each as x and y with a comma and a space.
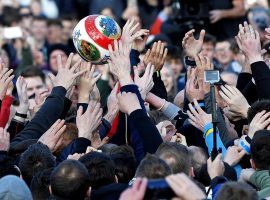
92, 36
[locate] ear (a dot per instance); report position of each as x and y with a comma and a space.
191, 172
116, 179
253, 165
50, 189
88, 193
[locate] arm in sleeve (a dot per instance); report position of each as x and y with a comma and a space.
5, 110
49, 112
15, 127
261, 75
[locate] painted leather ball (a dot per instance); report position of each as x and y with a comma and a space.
92, 36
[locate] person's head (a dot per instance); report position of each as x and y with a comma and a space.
26, 17
236, 191
55, 33
70, 134
53, 52
176, 156
198, 158
35, 80
223, 52
70, 180
36, 8
124, 163
260, 150
39, 29
152, 167
100, 168
208, 47
36, 158
67, 25
12, 187
257, 107
168, 77
174, 60
40, 184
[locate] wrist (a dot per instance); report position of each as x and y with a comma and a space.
125, 80
22, 109
255, 58
84, 134
83, 98
133, 108
110, 116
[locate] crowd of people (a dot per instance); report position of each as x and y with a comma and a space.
140, 126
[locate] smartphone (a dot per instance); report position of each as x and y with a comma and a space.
12, 32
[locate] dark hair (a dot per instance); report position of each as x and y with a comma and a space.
70, 180
260, 149
176, 156
36, 158
8, 167
208, 38
235, 191
39, 18
153, 167
258, 107
32, 71
100, 168
40, 184
124, 163
55, 22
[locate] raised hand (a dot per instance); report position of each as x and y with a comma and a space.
128, 102
119, 63
96, 141
89, 121
5, 80
248, 40
234, 155
145, 83
112, 105
53, 136
87, 81
216, 167
237, 103
66, 73
194, 88
136, 192
156, 55
132, 37
184, 188
192, 46
4, 140
22, 94
197, 117
259, 122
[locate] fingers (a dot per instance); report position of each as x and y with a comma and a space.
202, 34
68, 63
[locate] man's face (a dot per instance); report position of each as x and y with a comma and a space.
34, 85
223, 53
176, 65
67, 30
208, 50
53, 59
54, 34
39, 29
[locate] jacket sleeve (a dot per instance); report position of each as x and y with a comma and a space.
49, 112
159, 87
261, 75
14, 128
5, 110
147, 130
242, 80
261, 180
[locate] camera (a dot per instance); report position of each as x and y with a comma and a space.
158, 189
211, 76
